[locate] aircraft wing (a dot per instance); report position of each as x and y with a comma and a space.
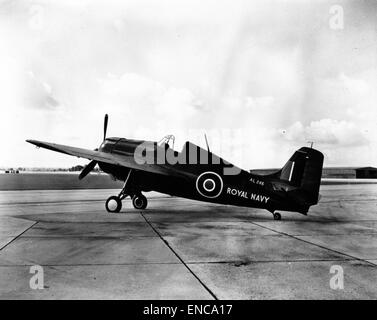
120, 160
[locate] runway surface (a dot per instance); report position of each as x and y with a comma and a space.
182, 249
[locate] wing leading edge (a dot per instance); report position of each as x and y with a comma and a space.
124, 161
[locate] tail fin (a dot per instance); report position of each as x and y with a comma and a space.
303, 171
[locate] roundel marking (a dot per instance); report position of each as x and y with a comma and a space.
209, 184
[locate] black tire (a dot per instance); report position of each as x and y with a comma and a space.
277, 216
111, 208
139, 202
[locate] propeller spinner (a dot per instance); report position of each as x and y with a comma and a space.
90, 166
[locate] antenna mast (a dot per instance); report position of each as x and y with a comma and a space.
205, 136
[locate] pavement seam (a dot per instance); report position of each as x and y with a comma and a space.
317, 245
179, 258
59, 237
174, 263
240, 262
90, 264
268, 261
15, 238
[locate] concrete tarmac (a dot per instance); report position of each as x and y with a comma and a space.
182, 249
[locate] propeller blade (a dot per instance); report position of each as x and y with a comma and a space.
89, 167
105, 126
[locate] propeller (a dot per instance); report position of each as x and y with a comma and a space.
106, 120
90, 166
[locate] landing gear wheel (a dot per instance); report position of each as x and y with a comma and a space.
277, 216
139, 202
113, 204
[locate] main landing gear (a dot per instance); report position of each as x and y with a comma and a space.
139, 201
114, 203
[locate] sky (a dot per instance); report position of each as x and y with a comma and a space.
260, 78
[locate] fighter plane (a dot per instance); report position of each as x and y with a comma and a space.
198, 174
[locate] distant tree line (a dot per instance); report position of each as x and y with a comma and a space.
76, 168
72, 169
79, 168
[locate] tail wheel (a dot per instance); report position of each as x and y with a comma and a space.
277, 216
139, 202
113, 204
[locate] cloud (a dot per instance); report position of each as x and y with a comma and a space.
326, 132
147, 101
166, 67
39, 94
259, 103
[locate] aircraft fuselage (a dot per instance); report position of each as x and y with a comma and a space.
242, 189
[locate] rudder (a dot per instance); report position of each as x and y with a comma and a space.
303, 171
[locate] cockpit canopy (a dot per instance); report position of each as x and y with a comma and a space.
168, 140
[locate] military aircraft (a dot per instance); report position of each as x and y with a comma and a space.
199, 174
